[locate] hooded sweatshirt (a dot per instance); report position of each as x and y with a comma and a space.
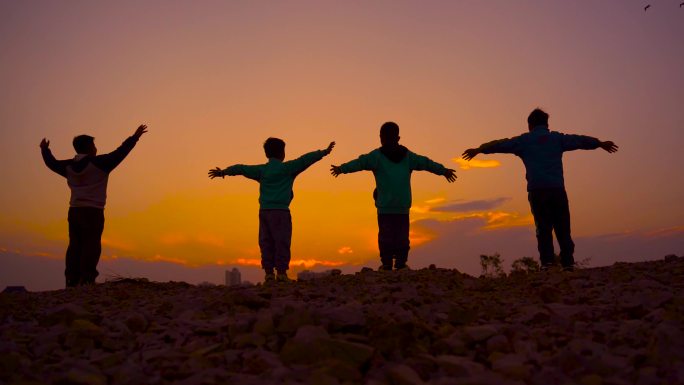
87, 175
276, 178
541, 151
392, 167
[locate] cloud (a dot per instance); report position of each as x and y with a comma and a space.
476, 205
476, 163
345, 250
294, 263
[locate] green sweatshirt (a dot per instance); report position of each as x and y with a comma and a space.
276, 178
392, 168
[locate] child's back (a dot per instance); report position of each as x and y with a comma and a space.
542, 151
392, 165
276, 179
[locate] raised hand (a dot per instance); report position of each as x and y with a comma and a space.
609, 146
215, 173
335, 170
450, 175
44, 144
140, 131
470, 153
330, 148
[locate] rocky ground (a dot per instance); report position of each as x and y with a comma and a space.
622, 324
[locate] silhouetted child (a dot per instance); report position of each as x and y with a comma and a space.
541, 151
392, 165
275, 194
86, 174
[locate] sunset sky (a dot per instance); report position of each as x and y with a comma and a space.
214, 79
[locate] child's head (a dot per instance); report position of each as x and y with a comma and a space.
537, 118
274, 148
389, 133
85, 144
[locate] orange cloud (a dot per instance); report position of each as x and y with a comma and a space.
476, 163
305, 263
498, 219
345, 250
427, 205
419, 236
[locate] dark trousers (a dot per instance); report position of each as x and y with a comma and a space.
393, 239
551, 212
83, 254
275, 237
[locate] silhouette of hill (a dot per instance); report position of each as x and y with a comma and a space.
610, 325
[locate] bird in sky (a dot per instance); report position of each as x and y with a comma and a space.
681, 5
647, 7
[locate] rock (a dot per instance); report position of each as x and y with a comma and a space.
260, 361
403, 375
455, 366
136, 322
313, 344
349, 316
11, 363
549, 294
306, 346
245, 340
293, 319
66, 314
666, 343
83, 335
591, 379
454, 344
76, 376
340, 370
479, 333
498, 343
513, 366
264, 323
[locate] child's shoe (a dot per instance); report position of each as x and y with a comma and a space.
401, 266
282, 277
270, 277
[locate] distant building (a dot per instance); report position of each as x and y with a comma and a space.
233, 277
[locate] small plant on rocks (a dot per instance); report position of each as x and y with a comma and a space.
492, 265
525, 265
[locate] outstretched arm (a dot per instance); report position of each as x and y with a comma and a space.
503, 146
49, 159
250, 172
362, 163
423, 163
108, 162
300, 164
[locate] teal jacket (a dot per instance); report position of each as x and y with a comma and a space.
541, 151
392, 167
276, 178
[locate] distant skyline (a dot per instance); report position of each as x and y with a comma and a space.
213, 80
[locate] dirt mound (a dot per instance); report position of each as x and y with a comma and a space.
621, 324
